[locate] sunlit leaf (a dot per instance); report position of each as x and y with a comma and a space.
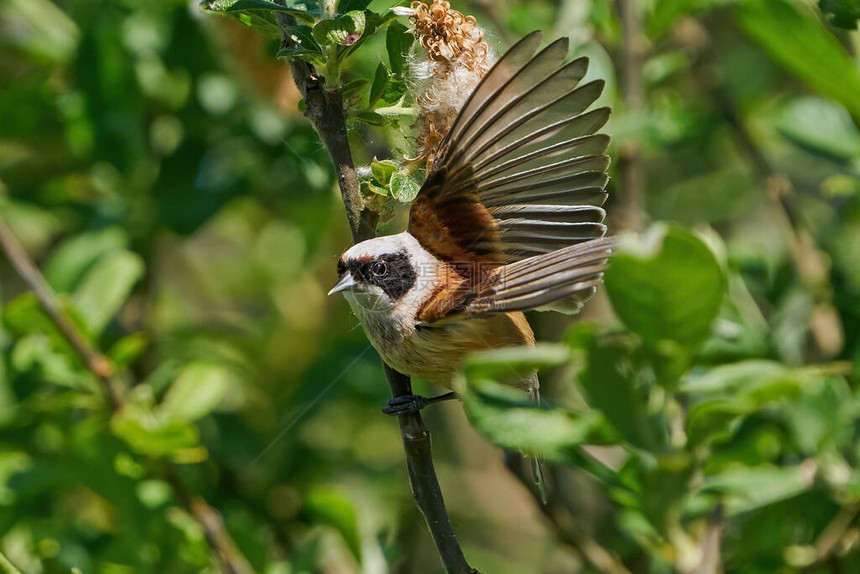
618, 385
128, 349
380, 80
196, 392
821, 126
744, 489
344, 30
75, 255
152, 435
510, 419
403, 187
105, 288
297, 9
397, 42
724, 395
666, 286
517, 362
792, 35
332, 507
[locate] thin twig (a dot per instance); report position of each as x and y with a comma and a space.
710, 561
213, 526
8, 565
102, 369
99, 365
422, 475
631, 198
324, 107
831, 540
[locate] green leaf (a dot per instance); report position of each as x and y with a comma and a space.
128, 349
380, 80
382, 170
820, 418
743, 489
349, 5
726, 394
820, 126
844, 13
296, 9
106, 287
332, 507
151, 435
403, 187
368, 187
395, 89
24, 315
197, 392
668, 286
513, 362
729, 379
354, 87
794, 37
398, 41
507, 417
345, 30
35, 353
664, 488
75, 255
618, 386
370, 118
305, 47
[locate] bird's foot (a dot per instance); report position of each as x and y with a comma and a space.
409, 404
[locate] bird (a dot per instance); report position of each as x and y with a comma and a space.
509, 219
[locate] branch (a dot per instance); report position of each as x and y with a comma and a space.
93, 360
425, 485
832, 539
101, 367
213, 527
631, 199
710, 562
9, 565
324, 107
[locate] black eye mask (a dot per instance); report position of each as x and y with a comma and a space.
398, 277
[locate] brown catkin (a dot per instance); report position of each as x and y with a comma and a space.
454, 59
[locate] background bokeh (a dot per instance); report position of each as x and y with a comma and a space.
154, 163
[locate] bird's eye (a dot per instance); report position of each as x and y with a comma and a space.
379, 269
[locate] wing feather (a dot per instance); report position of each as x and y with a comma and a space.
518, 183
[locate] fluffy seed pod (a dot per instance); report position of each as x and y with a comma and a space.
453, 59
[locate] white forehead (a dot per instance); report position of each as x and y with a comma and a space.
372, 248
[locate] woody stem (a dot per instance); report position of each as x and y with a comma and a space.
324, 107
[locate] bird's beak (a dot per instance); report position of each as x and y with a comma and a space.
345, 282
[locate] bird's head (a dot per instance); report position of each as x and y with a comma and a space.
383, 272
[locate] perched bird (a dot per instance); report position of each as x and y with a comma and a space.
509, 219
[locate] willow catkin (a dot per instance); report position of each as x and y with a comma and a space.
452, 60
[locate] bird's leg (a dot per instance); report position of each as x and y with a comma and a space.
408, 404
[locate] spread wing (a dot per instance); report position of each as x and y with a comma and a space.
522, 171
519, 180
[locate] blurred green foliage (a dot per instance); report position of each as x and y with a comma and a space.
154, 162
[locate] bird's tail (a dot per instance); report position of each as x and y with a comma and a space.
536, 459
